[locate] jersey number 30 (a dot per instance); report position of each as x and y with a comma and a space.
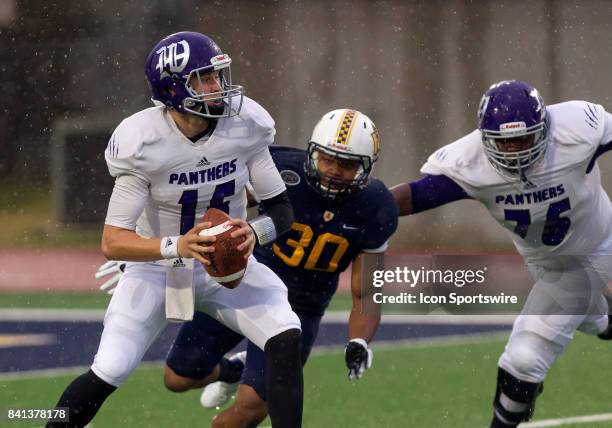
303, 242
555, 227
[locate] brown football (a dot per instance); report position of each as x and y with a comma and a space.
227, 264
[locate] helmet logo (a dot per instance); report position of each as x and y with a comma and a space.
376, 141
484, 103
170, 57
535, 94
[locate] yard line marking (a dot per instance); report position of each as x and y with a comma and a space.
603, 417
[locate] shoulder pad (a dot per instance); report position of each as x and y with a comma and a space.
577, 126
126, 149
463, 161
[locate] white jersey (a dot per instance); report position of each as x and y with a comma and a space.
564, 211
175, 180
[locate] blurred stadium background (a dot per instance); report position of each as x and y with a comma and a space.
73, 69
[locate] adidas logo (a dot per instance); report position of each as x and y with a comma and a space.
203, 162
168, 242
178, 263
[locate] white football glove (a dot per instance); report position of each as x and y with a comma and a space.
114, 268
358, 358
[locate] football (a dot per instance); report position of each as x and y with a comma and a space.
227, 264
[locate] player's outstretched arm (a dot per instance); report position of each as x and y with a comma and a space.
365, 314
403, 198
430, 191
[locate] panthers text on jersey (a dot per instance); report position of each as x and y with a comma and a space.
562, 209
326, 236
184, 178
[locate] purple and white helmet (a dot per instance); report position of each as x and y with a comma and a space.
509, 110
181, 57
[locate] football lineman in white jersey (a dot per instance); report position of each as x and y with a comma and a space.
534, 168
195, 149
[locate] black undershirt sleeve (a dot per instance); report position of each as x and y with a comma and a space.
279, 209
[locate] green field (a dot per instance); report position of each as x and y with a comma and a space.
437, 385
340, 302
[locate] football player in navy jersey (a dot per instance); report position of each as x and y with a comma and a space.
341, 216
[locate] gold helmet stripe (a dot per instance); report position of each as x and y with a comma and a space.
346, 126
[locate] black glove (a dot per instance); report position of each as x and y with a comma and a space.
358, 358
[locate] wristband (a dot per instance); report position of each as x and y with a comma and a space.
169, 247
264, 229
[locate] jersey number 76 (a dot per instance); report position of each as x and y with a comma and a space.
555, 227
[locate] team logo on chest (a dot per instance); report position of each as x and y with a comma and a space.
328, 216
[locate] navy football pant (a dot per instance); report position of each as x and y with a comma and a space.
201, 343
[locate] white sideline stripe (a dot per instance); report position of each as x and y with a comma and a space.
329, 317
568, 421
64, 371
380, 346
52, 314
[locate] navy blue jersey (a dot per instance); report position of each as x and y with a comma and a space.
326, 236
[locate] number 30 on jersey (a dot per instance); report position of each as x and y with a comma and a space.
301, 244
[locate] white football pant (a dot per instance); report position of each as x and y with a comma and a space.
258, 309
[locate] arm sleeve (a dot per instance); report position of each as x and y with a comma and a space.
127, 201
432, 191
279, 209
264, 176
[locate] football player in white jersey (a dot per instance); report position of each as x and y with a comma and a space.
534, 168
195, 149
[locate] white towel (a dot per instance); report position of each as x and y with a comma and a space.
179, 290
